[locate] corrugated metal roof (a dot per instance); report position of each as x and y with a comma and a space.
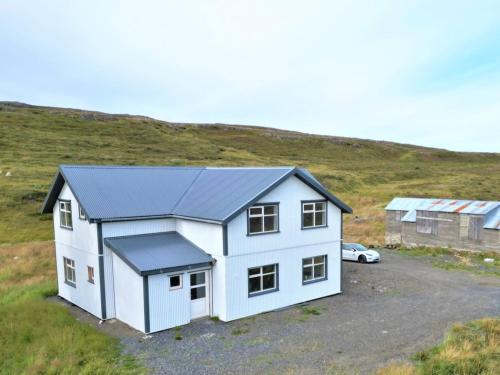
443, 205
214, 194
149, 254
492, 219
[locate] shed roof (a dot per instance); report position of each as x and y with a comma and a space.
108, 193
154, 253
490, 209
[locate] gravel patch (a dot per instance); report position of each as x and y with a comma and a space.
388, 311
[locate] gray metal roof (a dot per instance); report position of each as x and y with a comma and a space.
154, 253
109, 193
491, 209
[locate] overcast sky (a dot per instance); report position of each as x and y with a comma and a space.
422, 72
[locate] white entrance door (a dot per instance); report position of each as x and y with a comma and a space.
199, 294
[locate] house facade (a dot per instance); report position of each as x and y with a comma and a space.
460, 224
157, 247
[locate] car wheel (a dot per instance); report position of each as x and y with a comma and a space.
362, 259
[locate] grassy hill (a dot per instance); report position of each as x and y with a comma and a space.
366, 174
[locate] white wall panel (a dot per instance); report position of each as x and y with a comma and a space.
168, 308
128, 228
129, 296
219, 287
291, 291
204, 235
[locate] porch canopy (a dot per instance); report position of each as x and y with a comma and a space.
149, 254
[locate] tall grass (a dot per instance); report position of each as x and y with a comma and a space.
468, 349
39, 337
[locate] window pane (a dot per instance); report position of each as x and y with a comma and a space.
256, 211
319, 259
270, 223
320, 206
198, 292
197, 278
268, 282
254, 271
319, 271
69, 221
175, 281
307, 273
254, 284
308, 220
307, 261
320, 218
308, 207
255, 224
267, 269
269, 210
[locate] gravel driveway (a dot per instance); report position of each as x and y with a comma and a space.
388, 311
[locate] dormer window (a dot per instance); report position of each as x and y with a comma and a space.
65, 214
263, 218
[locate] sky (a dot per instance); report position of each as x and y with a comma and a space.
419, 72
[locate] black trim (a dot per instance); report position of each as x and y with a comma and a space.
224, 240
324, 278
302, 213
258, 204
145, 291
277, 280
102, 285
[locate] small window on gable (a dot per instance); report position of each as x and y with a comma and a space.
175, 282
81, 213
263, 219
90, 274
313, 214
65, 214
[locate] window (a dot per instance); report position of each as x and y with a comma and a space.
313, 214
427, 222
263, 219
262, 279
65, 214
90, 274
175, 282
475, 232
198, 285
69, 271
314, 269
81, 213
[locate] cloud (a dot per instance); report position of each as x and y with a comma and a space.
416, 72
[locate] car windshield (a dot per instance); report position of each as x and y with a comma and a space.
359, 247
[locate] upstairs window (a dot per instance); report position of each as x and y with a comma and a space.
65, 214
69, 271
263, 219
427, 222
81, 213
313, 214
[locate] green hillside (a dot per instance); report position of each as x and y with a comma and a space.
366, 174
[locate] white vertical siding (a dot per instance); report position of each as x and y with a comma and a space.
168, 308
132, 227
204, 235
291, 291
79, 244
219, 288
109, 283
289, 195
129, 296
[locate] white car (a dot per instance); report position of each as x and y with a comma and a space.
359, 253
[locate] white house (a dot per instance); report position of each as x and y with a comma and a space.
157, 247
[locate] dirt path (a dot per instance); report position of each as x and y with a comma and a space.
388, 311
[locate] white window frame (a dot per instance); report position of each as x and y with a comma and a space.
90, 272
314, 211
175, 287
64, 214
261, 275
69, 271
312, 265
81, 213
263, 215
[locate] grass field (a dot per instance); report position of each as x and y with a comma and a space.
468, 349
40, 337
